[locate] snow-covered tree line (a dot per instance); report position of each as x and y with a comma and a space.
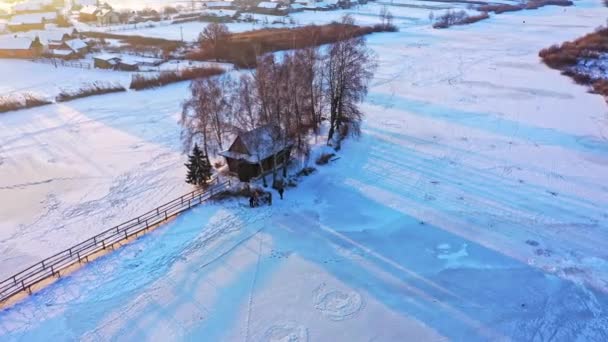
296, 91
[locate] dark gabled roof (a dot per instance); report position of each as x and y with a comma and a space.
260, 144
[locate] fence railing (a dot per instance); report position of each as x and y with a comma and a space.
60, 62
52, 266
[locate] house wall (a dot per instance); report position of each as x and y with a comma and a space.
26, 27
246, 171
4, 53
101, 64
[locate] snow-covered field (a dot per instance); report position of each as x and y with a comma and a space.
473, 207
363, 14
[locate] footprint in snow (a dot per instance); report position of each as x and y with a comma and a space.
286, 331
335, 304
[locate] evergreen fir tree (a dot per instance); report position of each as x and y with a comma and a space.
194, 166
205, 169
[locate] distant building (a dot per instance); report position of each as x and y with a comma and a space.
13, 47
88, 13
106, 61
67, 48
114, 62
252, 153
61, 53
218, 5
107, 17
31, 21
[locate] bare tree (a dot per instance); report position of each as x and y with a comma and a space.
205, 113
386, 18
246, 103
212, 37
349, 69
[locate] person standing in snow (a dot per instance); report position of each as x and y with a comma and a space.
251, 201
281, 190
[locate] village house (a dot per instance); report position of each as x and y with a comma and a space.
65, 54
114, 62
88, 13
20, 47
106, 61
67, 49
253, 153
216, 5
107, 16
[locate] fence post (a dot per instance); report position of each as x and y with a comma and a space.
165, 214
43, 266
103, 243
78, 254
23, 285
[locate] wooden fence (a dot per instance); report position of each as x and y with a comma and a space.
60, 62
52, 266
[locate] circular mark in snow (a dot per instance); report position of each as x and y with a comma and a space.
335, 304
286, 332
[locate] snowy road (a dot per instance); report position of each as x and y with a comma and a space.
473, 207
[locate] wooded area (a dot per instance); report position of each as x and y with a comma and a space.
295, 93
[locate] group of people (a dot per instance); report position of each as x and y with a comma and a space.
258, 198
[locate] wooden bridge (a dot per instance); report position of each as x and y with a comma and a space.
44, 272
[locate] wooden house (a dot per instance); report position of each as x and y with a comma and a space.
14, 47
106, 61
88, 13
253, 153
107, 16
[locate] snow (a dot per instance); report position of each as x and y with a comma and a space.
11, 43
32, 18
89, 10
48, 80
220, 13
61, 52
268, 4
76, 44
473, 207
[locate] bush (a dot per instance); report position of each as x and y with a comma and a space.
324, 158
601, 87
168, 10
21, 101
566, 55
500, 8
307, 171
96, 88
578, 78
143, 81
534, 4
386, 28
451, 18
139, 43
242, 49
